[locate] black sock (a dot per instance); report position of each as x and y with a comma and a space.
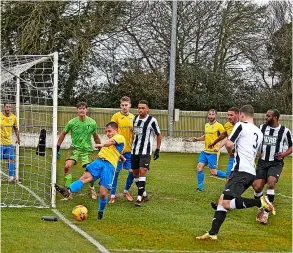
141, 187
271, 197
136, 182
246, 203
218, 220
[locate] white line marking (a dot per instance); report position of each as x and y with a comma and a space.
80, 231
100, 247
278, 194
177, 251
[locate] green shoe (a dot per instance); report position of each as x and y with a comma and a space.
267, 205
207, 236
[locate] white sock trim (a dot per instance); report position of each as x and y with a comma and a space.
113, 196
142, 179
271, 191
221, 208
136, 179
258, 194
233, 204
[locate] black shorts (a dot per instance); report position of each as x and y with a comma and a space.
238, 183
267, 169
140, 161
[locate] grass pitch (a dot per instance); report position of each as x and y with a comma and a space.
169, 222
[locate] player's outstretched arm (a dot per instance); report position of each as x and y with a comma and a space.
220, 138
108, 143
229, 146
97, 138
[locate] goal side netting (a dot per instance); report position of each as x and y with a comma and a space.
30, 84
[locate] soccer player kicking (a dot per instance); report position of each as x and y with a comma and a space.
82, 128
102, 168
8, 122
209, 156
270, 165
144, 127
124, 119
233, 118
246, 138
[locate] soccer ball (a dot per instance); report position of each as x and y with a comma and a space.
80, 213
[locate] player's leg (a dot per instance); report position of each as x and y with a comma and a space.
129, 179
135, 168
106, 178
144, 163
10, 154
212, 163
115, 182
202, 162
69, 162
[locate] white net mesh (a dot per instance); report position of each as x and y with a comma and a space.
34, 75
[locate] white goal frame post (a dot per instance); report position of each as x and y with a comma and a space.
10, 72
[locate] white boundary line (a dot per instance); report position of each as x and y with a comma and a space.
100, 247
277, 194
179, 251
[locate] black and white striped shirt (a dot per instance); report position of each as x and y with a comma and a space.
275, 140
143, 130
247, 139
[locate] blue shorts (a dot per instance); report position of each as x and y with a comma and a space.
230, 166
102, 169
127, 164
7, 152
208, 159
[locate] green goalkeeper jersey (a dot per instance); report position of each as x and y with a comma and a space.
81, 132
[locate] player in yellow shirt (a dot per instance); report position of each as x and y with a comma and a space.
208, 156
103, 167
8, 122
124, 119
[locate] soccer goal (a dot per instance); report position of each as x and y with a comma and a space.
30, 84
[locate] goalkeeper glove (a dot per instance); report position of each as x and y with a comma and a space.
157, 154
58, 152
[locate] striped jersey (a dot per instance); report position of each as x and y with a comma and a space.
275, 140
143, 130
247, 139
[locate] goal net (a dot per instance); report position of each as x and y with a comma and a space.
29, 84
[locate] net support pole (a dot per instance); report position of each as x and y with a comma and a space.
17, 104
54, 132
172, 71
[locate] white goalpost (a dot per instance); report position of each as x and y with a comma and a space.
30, 84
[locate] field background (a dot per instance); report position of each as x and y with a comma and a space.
169, 222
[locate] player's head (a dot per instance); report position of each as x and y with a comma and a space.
212, 113
111, 129
7, 108
246, 112
81, 109
143, 108
233, 115
125, 104
272, 116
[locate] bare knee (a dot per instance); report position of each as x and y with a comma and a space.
213, 172
103, 192
199, 167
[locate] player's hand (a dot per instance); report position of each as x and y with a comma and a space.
122, 158
211, 145
216, 149
157, 154
279, 155
99, 146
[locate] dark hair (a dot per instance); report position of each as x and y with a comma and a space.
213, 110
276, 113
234, 109
143, 102
6, 103
112, 124
125, 99
79, 104
247, 110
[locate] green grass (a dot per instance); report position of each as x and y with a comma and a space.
171, 219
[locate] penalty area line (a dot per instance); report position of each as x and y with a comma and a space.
177, 251
100, 247
277, 194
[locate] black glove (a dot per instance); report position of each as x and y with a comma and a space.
157, 154
58, 152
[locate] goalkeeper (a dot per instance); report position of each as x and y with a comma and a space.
82, 128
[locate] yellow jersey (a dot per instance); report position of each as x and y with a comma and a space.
212, 132
6, 126
113, 152
228, 128
125, 127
